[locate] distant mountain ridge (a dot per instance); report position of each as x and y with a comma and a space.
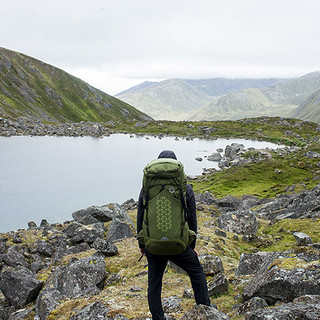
176, 99
36, 90
279, 99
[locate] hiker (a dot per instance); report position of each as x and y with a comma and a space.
182, 254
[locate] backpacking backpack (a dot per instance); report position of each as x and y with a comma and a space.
165, 229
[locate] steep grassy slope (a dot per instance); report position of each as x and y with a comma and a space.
309, 109
31, 88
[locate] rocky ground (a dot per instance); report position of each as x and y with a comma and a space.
87, 268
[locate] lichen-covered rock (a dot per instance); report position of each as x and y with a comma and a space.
218, 284
93, 311
87, 233
13, 258
301, 311
211, 264
228, 203
44, 248
105, 247
19, 286
240, 222
120, 229
202, 312
171, 304
253, 304
20, 315
284, 280
47, 301
302, 239
3, 313
251, 263
84, 276
93, 214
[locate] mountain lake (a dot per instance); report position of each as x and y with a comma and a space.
51, 177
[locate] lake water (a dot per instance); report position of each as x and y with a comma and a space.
51, 177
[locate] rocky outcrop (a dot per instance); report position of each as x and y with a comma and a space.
19, 286
202, 312
93, 311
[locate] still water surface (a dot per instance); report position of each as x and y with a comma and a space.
51, 177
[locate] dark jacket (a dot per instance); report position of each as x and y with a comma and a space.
192, 214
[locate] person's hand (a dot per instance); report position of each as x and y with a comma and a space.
143, 251
195, 251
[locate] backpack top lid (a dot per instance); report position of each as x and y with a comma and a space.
163, 169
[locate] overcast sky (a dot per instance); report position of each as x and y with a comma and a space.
115, 44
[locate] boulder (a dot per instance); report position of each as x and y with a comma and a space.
93, 311
205, 198
251, 305
105, 247
47, 301
240, 222
171, 304
84, 276
14, 258
301, 311
251, 263
3, 313
44, 248
20, 314
218, 285
87, 233
211, 264
284, 280
228, 203
93, 214
202, 312
20, 287
302, 239
214, 157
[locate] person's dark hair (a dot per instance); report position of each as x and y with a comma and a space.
167, 154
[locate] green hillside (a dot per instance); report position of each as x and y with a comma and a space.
166, 100
309, 109
36, 90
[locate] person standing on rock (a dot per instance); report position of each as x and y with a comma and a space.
167, 227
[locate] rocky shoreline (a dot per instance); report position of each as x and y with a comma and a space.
40, 269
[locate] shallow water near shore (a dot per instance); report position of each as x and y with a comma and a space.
51, 177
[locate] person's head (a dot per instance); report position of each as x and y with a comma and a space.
167, 154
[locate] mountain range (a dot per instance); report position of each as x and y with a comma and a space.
228, 99
39, 91
36, 90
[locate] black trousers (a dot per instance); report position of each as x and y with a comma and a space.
190, 263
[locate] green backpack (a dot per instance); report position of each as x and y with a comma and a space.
165, 230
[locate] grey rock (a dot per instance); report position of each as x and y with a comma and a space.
20, 314
211, 264
171, 304
32, 225
19, 286
87, 233
47, 301
202, 312
93, 214
205, 198
301, 311
274, 283
240, 222
3, 313
113, 279
105, 247
130, 204
84, 276
308, 299
44, 248
251, 263
253, 304
120, 228
93, 311
14, 259
302, 239
218, 285
229, 203
214, 157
